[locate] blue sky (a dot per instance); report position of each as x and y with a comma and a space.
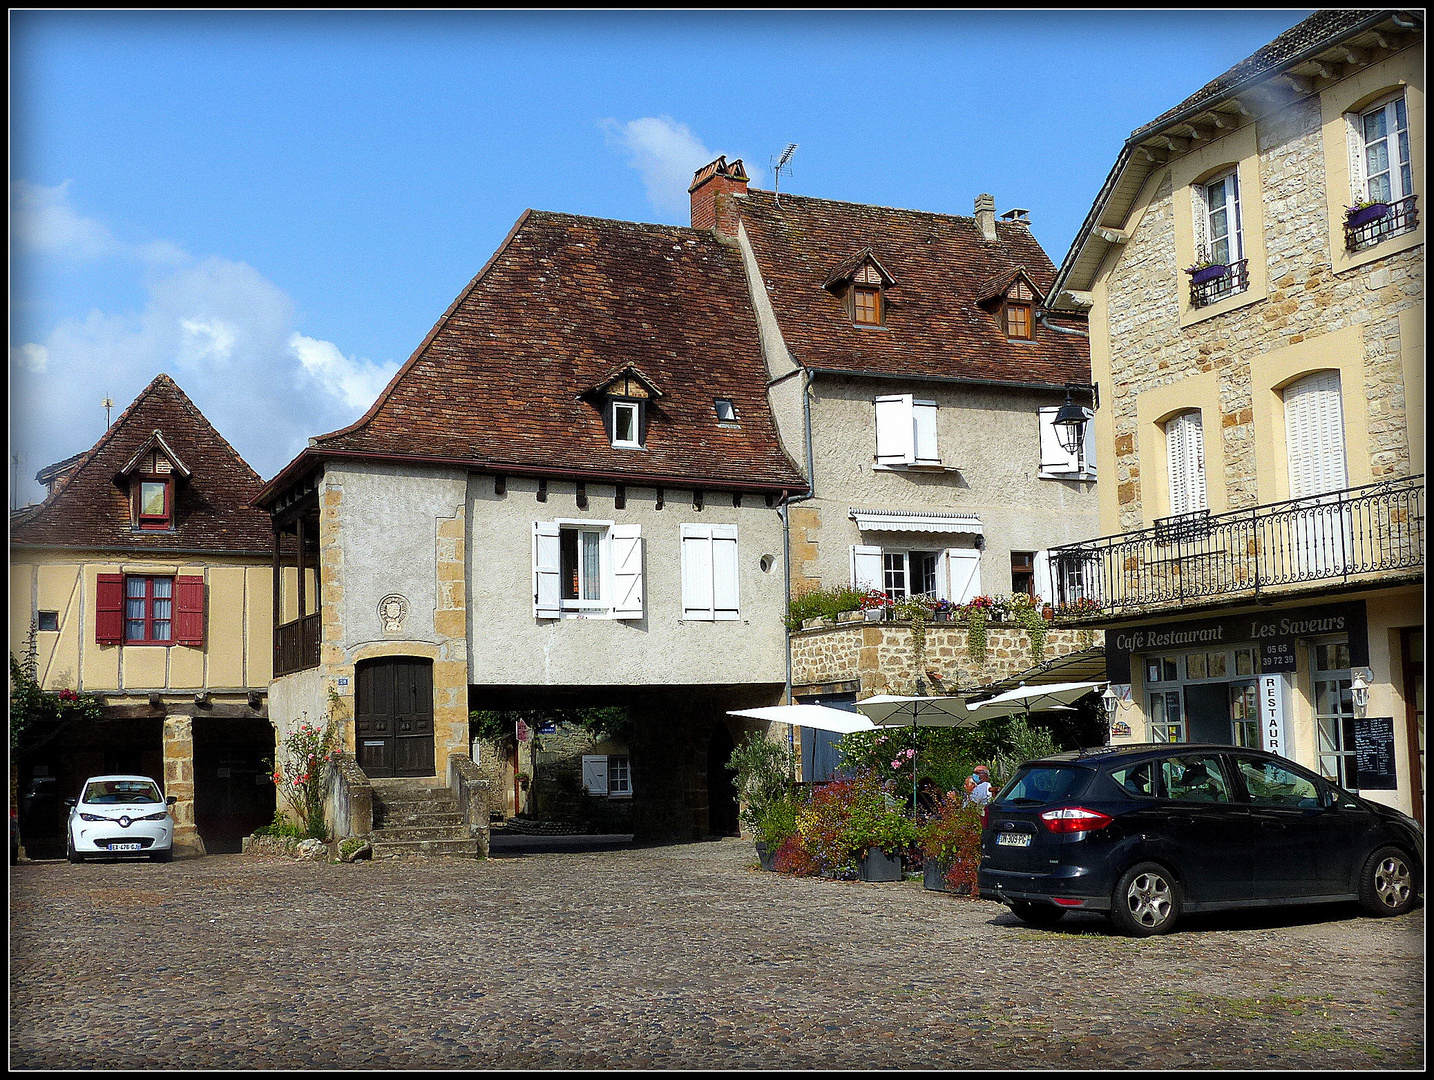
275, 207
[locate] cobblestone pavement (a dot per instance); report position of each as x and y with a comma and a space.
667, 957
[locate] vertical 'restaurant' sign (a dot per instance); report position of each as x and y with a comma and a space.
1272, 714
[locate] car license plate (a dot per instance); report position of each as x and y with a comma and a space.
1014, 839
124, 847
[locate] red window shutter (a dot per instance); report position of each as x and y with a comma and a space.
109, 608
189, 611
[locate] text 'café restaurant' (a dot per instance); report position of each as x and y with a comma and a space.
1337, 688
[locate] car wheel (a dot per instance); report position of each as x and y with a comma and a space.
162, 856
1033, 914
1386, 884
1146, 901
70, 852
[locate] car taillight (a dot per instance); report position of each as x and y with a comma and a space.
1075, 819
985, 815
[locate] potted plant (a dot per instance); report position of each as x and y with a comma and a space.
776, 824
878, 833
950, 845
764, 771
1362, 213
1206, 270
875, 605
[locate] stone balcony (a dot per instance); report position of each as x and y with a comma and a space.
888, 657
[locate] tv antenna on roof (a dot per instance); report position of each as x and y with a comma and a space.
107, 404
777, 172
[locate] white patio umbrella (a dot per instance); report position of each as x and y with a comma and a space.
812, 716
894, 710
1025, 700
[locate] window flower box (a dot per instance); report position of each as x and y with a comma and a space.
1201, 274
1355, 216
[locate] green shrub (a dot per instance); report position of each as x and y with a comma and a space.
764, 775
810, 603
281, 827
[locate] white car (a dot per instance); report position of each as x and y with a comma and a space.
120, 816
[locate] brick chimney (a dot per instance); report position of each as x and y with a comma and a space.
711, 186
986, 216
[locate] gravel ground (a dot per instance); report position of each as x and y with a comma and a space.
682, 956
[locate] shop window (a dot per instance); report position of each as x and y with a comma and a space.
1245, 715
1334, 713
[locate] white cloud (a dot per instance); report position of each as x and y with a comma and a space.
666, 153
219, 327
356, 382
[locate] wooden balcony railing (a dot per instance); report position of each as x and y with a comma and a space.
296, 645
1359, 532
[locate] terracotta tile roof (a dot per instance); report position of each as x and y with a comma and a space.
212, 507
505, 378
933, 325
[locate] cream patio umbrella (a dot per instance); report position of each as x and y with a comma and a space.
895, 710
1025, 700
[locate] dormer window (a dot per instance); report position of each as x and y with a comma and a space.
861, 283
627, 425
150, 476
1012, 299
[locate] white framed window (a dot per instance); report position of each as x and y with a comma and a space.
906, 431
1380, 153
1185, 462
619, 775
627, 425
709, 572
607, 774
587, 569
1218, 230
1058, 463
953, 574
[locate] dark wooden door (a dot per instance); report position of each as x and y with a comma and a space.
393, 716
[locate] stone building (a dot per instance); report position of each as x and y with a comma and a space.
914, 378
145, 576
1253, 271
566, 497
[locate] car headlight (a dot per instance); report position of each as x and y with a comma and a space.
92, 817
156, 817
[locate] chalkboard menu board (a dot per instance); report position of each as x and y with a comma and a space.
1374, 752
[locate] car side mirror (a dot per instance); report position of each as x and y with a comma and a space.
1329, 798
170, 800
70, 802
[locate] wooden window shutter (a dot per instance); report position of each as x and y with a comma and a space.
1055, 460
626, 571
963, 574
697, 592
109, 609
924, 422
1185, 456
546, 570
1314, 432
724, 573
1088, 445
866, 570
189, 611
895, 430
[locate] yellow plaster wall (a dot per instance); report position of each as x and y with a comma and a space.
224, 648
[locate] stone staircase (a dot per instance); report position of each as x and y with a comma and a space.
411, 817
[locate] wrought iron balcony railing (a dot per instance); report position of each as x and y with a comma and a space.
1236, 278
1341, 535
296, 645
1401, 218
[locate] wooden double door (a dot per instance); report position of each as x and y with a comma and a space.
393, 716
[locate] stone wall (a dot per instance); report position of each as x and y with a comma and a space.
883, 658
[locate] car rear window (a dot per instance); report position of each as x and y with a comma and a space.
122, 791
1044, 783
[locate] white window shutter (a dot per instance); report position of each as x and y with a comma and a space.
866, 567
895, 430
1088, 445
1045, 585
1200, 211
923, 415
1237, 232
1354, 137
1185, 458
626, 571
595, 773
696, 571
1055, 461
963, 574
1314, 433
546, 570
724, 573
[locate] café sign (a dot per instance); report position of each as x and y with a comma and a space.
1274, 631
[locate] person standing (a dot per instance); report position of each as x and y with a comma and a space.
978, 785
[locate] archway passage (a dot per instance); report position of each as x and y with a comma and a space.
722, 817
233, 791
393, 716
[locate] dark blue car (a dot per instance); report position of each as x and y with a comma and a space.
1148, 832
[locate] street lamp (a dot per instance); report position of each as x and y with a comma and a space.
1070, 420
1359, 689
1111, 701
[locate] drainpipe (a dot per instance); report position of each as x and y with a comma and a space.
1041, 316
787, 538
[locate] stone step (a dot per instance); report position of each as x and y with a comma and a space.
419, 832
390, 818
466, 848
